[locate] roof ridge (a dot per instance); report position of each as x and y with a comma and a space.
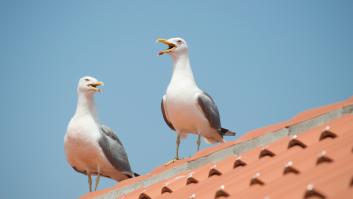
237, 148
302, 116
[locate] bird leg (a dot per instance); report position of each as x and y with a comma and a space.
177, 147
198, 142
97, 179
177, 151
89, 182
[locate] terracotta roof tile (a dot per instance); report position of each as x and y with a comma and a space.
309, 156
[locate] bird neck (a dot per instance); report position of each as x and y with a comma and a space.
86, 105
182, 68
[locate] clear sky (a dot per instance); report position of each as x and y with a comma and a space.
262, 61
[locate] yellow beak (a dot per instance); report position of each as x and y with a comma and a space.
171, 46
99, 84
94, 86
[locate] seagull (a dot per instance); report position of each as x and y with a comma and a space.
92, 148
185, 107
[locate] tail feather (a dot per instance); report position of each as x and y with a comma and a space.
226, 132
129, 175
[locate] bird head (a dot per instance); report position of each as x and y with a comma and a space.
88, 85
176, 46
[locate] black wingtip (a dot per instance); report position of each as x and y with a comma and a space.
136, 174
226, 132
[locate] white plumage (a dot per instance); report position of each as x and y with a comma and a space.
185, 107
92, 148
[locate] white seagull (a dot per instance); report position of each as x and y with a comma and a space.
185, 107
92, 148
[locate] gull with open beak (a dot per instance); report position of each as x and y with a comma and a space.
92, 148
186, 108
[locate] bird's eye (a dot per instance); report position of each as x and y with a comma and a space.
86, 79
179, 42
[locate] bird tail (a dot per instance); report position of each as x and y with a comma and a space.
131, 175
226, 132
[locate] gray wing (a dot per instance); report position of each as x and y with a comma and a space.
209, 110
114, 150
165, 114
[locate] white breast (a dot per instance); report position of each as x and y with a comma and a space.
181, 108
81, 144
82, 149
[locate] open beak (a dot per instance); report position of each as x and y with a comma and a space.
171, 46
94, 86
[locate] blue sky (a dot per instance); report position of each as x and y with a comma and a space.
262, 61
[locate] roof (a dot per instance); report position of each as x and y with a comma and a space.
308, 156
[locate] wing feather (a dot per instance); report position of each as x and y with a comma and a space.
114, 150
210, 110
165, 115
